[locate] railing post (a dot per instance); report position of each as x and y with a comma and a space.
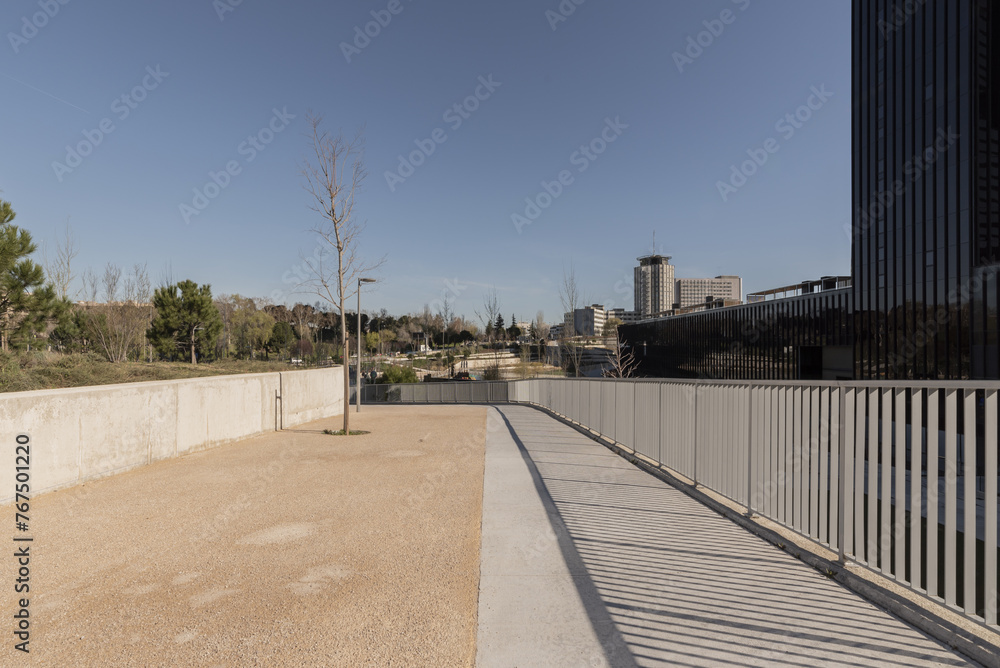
659, 423
750, 452
842, 482
695, 439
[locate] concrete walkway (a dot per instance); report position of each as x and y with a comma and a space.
588, 561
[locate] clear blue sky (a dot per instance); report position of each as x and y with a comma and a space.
220, 80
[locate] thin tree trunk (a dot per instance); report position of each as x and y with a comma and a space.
347, 373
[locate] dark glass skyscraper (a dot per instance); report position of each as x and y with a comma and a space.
926, 182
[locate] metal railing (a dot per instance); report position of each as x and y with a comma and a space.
466, 392
878, 472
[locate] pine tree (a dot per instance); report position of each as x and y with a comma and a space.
26, 303
186, 320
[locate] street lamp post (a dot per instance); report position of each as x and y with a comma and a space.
358, 367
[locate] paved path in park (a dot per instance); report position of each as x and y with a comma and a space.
588, 561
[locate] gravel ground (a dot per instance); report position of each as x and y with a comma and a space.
290, 549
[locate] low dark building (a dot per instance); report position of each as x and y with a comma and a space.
805, 337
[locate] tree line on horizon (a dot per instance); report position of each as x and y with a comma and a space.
120, 317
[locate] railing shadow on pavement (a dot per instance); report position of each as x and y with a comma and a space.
686, 586
616, 652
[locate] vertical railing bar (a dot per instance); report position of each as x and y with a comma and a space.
950, 496
916, 483
759, 403
871, 478
899, 493
729, 454
831, 483
750, 449
786, 515
990, 510
774, 449
969, 503
933, 490
860, 476
768, 439
800, 465
845, 461
741, 441
659, 440
694, 440
779, 454
885, 489
818, 466
827, 471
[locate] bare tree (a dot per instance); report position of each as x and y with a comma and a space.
302, 316
226, 305
569, 295
488, 316
541, 329
91, 285
118, 325
166, 275
333, 178
59, 269
623, 362
447, 315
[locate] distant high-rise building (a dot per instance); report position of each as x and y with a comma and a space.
654, 285
926, 183
694, 291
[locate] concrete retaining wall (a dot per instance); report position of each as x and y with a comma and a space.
79, 434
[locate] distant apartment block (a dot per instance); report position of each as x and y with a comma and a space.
654, 285
627, 317
586, 321
696, 291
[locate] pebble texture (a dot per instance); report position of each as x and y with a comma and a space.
291, 549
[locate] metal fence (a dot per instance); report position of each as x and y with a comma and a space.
467, 392
889, 475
